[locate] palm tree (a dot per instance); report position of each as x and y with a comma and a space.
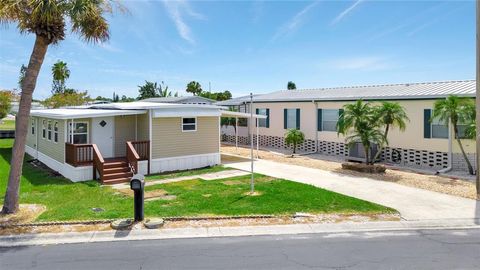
194, 87
291, 85
452, 110
469, 110
60, 74
391, 114
358, 119
46, 20
294, 137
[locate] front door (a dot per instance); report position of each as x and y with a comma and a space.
102, 135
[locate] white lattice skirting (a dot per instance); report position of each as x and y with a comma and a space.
413, 158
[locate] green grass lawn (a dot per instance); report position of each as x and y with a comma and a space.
7, 124
73, 201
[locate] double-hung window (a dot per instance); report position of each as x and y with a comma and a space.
44, 129
189, 124
291, 118
80, 132
33, 127
49, 130
55, 131
263, 122
433, 127
328, 119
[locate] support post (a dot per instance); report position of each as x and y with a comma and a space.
252, 184
257, 134
236, 133
477, 101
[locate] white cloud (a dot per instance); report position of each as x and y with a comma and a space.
345, 12
362, 63
296, 21
177, 10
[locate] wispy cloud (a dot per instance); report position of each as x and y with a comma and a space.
109, 47
363, 63
296, 21
345, 12
177, 11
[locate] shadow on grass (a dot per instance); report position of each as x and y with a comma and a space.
37, 175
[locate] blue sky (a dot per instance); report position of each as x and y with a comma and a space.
258, 46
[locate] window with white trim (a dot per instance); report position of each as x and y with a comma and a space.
49, 130
262, 122
33, 127
189, 124
55, 131
329, 119
291, 118
80, 132
44, 129
439, 129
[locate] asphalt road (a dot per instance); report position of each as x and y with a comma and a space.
432, 249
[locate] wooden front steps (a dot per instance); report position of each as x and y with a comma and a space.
116, 171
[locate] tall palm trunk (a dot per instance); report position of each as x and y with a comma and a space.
10, 204
469, 165
379, 151
367, 154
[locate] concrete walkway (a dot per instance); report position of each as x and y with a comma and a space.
412, 203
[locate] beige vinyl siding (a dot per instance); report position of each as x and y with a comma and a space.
411, 138
143, 127
30, 137
124, 131
168, 140
55, 150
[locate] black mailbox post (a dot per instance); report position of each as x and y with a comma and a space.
137, 184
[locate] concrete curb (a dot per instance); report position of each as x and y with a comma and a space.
145, 234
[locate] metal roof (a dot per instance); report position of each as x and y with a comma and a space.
430, 90
187, 99
81, 113
236, 101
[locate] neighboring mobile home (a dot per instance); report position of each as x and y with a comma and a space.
424, 144
113, 141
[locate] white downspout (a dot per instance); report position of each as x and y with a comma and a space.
450, 150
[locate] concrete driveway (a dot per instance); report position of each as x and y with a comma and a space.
412, 203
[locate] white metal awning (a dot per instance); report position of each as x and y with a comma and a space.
81, 113
241, 115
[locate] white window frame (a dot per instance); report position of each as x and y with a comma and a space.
55, 131
262, 122
70, 130
49, 130
437, 124
294, 110
44, 129
196, 123
32, 128
323, 119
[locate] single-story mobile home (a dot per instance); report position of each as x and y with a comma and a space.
112, 141
424, 144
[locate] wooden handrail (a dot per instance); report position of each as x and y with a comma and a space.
143, 151
132, 157
98, 162
78, 154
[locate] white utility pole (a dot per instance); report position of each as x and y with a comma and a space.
477, 100
252, 184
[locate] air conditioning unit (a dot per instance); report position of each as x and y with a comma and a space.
356, 152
